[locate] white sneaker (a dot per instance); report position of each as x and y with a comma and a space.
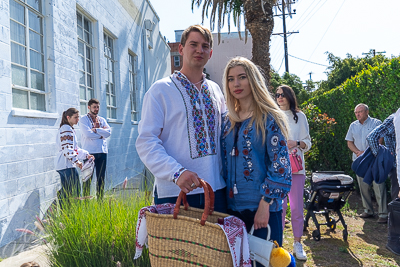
299, 252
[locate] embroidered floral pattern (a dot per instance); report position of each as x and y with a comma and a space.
248, 165
266, 166
201, 115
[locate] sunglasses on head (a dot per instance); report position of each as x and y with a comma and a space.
278, 95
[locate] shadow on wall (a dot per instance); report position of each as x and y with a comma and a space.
13, 241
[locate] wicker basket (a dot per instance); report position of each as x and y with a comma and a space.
191, 238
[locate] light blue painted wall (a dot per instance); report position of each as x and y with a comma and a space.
28, 181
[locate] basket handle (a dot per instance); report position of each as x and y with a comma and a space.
209, 199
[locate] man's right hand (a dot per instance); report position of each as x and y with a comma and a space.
186, 180
359, 153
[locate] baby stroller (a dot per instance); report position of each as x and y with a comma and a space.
329, 192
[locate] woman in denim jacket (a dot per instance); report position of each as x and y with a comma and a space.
256, 164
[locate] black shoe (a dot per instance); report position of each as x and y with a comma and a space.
395, 248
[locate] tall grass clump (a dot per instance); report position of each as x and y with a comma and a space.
96, 232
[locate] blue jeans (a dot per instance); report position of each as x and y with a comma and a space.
275, 223
100, 163
197, 200
70, 185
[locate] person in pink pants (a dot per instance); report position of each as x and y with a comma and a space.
299, 141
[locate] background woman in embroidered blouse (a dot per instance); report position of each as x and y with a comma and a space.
299, 142
69, 155
255, 156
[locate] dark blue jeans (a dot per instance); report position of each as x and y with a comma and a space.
100, 163
70, 185
197, 200
275, 223
394, 190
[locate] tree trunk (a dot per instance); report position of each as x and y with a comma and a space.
260, 26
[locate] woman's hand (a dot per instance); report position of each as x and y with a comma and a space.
291, 144
90, 156
79, 164
261, 218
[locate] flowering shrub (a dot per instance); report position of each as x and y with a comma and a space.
321, 132
375, 86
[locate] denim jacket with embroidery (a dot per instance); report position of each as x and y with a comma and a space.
257, 169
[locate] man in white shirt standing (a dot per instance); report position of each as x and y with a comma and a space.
357, 142
179, 133
94, 131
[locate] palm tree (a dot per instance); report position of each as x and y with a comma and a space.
259, 21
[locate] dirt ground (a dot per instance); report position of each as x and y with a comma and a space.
365, 245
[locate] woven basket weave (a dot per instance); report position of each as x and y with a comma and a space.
184, 240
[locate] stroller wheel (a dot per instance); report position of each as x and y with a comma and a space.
345, 234
332, 224
316, 235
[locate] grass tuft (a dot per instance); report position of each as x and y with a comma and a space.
96, 233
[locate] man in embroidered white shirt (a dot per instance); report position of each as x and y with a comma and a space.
94, 131
179, 132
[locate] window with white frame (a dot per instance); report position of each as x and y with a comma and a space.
27, 55
110, 70
85, 60
133, 87
177, 61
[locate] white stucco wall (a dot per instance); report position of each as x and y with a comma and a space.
229, 47
28, 181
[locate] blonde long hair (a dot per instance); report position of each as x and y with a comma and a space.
263, 103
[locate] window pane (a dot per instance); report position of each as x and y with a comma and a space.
82, 78
79, 19
17, 12
81, 48
111, 113
18, 75
108, 99
113, 101
37, 101
83, 108
18, 54
35, 22
36, 4
89, 66
90, 93
20, 99
35, 41
36, 60
112, 88
87, 25
37, 80
17, 32
133, 102
88, 38
81, 63
80, 32
107, 89
89, 80
111, 77
82, 92
88, 53
110, 43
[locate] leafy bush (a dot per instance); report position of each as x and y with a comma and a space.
375, 86
96, 233
321, 131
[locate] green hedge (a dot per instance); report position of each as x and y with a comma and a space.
378, 87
